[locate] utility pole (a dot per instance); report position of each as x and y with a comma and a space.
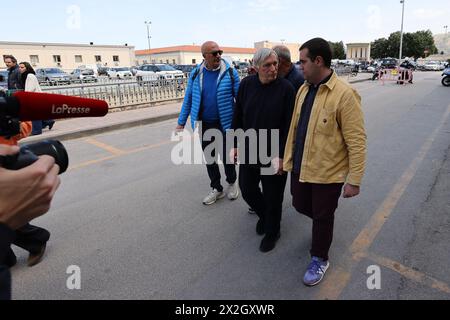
148, 23
401, 35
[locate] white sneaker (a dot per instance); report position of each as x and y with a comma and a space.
213, 197
233, 191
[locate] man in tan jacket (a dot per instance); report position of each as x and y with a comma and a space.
325, 151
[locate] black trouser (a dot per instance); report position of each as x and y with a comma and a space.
29, 238
268, 203
5, 283
213, 167
319, 202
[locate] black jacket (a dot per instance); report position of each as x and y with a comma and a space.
14, 79
268, 107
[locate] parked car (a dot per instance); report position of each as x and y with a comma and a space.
83, 75
102, 71
3, 80
52, 76
389, 63
134, 70
243, 66
119, 73
410, 65
95, 67
185, 68
153, 72
432, 66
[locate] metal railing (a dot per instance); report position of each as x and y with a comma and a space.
121, 94
126, 93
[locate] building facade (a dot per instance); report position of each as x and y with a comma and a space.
186, 55
359, 51
69, 56
293, 48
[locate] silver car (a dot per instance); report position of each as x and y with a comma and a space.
83, 75
52, 76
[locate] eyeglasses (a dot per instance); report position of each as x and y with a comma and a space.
216, 53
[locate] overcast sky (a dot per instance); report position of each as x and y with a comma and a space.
229, 22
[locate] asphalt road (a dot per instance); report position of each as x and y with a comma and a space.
135, 225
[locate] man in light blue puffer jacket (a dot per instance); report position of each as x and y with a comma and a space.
210, 99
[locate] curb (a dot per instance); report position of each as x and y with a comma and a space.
99, 130
362, 80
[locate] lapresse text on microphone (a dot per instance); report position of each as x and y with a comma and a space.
30, 106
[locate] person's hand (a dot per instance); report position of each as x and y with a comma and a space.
26, 193
351, 191
179, 129
278, 165
234, 156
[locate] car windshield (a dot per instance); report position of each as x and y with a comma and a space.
166, 68
54, 71
121, 69
4, 73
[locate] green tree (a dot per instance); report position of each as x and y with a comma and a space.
416, 45
338, 50
379, 48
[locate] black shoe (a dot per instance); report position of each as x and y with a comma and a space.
269, 243
50, 126
36, 258
260, 228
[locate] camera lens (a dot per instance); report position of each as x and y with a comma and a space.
51, 148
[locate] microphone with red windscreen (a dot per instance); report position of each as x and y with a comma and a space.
30, 106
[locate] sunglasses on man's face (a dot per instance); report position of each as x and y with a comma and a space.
216, 53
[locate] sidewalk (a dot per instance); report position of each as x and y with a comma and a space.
78, 128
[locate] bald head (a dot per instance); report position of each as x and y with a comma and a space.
207, 46
212, 54
284, 54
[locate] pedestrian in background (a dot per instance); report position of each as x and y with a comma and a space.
14, 82
287, 69
30, 83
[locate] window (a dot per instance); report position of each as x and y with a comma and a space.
116, 58
78, 59
174, 62
57, 59
194, 61
145, 62
34, 59
160, 61
98, 58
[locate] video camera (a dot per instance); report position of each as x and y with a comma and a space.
27, 106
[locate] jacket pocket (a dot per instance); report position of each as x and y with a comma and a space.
327, 123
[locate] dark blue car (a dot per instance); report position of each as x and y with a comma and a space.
3, 79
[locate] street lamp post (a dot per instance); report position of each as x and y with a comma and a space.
445, 27
401, 34
148, 23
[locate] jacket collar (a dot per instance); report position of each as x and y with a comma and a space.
330, 84
224, 66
